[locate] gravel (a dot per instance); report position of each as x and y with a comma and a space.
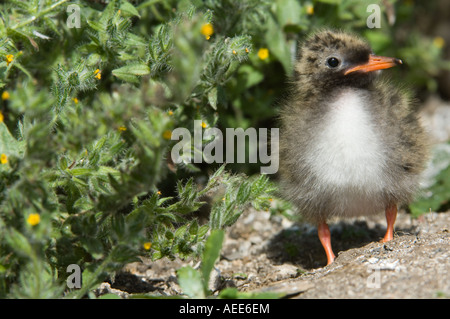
265, 253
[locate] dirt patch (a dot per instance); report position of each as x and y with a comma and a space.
270, 253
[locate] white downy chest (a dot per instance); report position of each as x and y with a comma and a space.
348, 151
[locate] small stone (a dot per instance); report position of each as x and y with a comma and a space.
286, 271
255, 239
389, 265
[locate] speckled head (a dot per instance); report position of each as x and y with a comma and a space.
331, 58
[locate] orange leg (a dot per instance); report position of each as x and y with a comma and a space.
391, 215
325, 239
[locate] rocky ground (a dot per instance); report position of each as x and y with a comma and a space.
264, 253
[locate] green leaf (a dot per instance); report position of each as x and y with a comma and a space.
63, 163
129, 8
211, 254
18, 242
93, 246
97, 26
181, 231
80, 171
118, 225
434, 197
109, 296
288, 12
251, 75
436, 182
92, 277
244, 192
190, 281
203, 230
123, 254
212, 98
278, 46
8, 144
193, 229
134, 69
130, 72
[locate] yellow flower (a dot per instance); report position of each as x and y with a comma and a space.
5, 95
3, 159
263, 53
170, 112
439, 42
98, 74
204, 125
9, 59
167, 134
33, 219
147, 245
207, 30
310, 9
1, 117
122, 128
159, 193
246, 50
234, 51
75, 100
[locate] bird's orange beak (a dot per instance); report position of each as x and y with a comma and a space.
375, 63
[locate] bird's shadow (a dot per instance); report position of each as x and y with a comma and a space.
300, 245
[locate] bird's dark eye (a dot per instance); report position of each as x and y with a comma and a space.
332, 62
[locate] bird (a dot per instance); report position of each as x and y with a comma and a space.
351, 142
